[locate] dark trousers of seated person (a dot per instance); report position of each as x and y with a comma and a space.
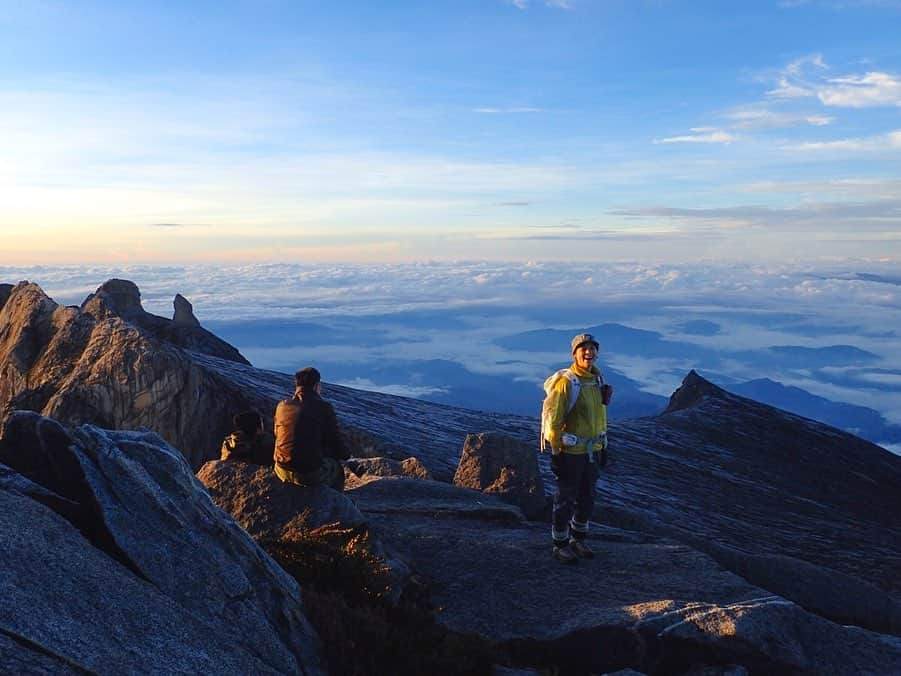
330, 473
574, 499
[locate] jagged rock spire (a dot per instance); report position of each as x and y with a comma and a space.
184, 312
693, 391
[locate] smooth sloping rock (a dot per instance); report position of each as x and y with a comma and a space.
269, 509
625, 608
722, 471
18, 656
435, 499
495, 463
150, 527
85, 613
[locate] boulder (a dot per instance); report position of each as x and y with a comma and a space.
495, 463
145, 574
274, 512
644, 602
270, 509
409, 467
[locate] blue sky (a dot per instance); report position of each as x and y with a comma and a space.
200, 132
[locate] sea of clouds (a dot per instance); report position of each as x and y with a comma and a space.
377, 324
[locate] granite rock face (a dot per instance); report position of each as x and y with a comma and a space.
645, 602
102, 365
770, 495
139, 571
496, 463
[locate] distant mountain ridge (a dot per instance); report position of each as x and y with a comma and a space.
858, 420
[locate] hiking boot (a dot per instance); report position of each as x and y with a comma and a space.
565, 554
580, 549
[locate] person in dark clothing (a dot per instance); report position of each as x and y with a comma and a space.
308, 445
245, 442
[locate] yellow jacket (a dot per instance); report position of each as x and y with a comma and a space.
588, 417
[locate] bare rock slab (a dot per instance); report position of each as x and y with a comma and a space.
144, 572
644, 602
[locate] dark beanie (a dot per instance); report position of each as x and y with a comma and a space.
248, 422
307, 377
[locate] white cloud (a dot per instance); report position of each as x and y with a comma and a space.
876, 143
508, 111
883, 215
762, 118
806, 77
791, 83
885, 188
786, 89
700, 135
559, 4
862, 91
399, 390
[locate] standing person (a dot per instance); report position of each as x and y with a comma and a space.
308, 446
577, 434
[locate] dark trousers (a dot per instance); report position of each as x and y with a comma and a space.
574, 499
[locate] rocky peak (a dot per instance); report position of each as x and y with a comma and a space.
121, 298
184, 312
121, 371
114, 298
694, 390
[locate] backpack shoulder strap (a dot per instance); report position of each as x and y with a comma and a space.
575, 387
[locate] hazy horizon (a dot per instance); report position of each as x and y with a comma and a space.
484, 335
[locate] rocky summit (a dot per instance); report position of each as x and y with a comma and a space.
730, 537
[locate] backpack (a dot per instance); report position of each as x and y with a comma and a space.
574, 391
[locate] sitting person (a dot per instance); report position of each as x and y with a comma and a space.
245, 442
308, 445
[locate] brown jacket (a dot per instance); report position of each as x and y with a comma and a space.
306, 429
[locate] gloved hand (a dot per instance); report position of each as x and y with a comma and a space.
557, 463
569, 439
